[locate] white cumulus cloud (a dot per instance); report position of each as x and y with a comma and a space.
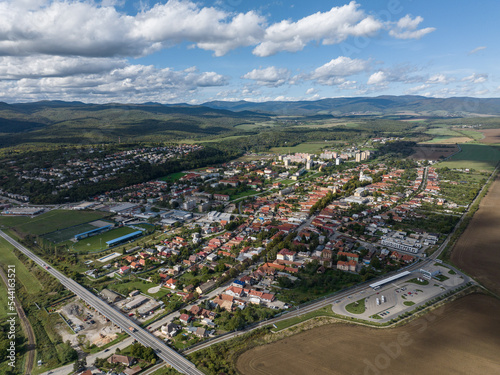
124, 83
270, 76
332, 72
439, 79
330, 27
406, 28
83, 28
378, 78
476, 78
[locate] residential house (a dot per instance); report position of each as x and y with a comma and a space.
285, 254
185, 318
123, 359
124, 270
171, 283
170, 329
205, 287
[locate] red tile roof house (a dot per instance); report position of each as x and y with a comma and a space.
170, 283
185, 318
195, 310
123, 359
124, 270
234, 291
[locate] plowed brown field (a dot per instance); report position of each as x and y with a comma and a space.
433, 151
478, 250
491, 136
462, 337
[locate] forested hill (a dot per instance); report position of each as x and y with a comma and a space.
380, 105
51, 122
59, 122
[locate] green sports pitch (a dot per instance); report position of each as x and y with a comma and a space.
68, 233
98, 242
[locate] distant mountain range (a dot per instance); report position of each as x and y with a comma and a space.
77, 122
380, 105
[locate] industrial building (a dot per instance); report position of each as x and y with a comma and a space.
124, 238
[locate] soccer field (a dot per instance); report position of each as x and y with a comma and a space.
68, 233
98, 242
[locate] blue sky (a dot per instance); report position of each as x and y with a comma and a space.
175, 51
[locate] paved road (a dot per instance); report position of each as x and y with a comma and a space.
305, 309
177, 361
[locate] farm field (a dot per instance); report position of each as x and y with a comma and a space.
474, 134
311, 147
256, 126
490, 136
216, 139
433, 152
443, 132
477, 251
448, 140
98, 242
50, 221
327, 125
474, 156
460, 337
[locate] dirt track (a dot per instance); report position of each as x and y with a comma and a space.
462, 337
28, 330
478, 249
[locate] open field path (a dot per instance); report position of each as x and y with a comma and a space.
28, 330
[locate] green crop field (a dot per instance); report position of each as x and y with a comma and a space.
443, 132
310, 147
98, 242
51, 221
474, 156
474, 134
7, 257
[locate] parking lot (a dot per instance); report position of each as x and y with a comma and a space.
399, 297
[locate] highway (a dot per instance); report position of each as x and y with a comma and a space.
168, 355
